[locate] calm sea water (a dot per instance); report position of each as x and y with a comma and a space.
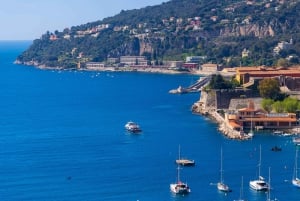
62, 138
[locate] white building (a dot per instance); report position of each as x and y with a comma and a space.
134, 60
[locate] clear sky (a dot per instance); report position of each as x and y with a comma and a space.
29, 19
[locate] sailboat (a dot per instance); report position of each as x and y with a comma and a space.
221, 185
184, 162
241, 191
269, 192
179, 187
296, 180
251, 132
259, 184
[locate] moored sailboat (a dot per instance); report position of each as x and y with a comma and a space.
221, 185
179, 187
296, 180
259, 184
241, 191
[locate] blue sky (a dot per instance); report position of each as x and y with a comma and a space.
29, 19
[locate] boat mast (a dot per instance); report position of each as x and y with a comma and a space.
242, 188
259, 163
269, 191
221, 170
296, 165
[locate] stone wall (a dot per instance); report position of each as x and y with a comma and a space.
223, 97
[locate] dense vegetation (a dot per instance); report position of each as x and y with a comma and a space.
216, 30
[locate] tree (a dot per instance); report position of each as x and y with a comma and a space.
269, 88
290, 104
266, 104
278, 106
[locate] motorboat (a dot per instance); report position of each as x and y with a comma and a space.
259, 184
132, 127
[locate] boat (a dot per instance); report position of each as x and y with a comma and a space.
278, 132
179, 187
259, 184
276, 148
241, 191
296, 141
251, 132
296, 180
132, 127
221, 185
184, 161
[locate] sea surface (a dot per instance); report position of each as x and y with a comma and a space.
62, 138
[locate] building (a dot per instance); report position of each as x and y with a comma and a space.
283, 45
250, 118
245, 53
195, 59
190, 66
173, 64
134, 60
245, 74
94, 65
211, 67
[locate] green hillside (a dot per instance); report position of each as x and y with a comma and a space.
218, 30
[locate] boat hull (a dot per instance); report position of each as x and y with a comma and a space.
223, 187
180, 188
259, 185
296, 182
185, 162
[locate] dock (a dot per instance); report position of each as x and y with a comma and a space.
196, 87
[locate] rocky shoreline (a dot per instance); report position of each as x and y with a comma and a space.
223, 127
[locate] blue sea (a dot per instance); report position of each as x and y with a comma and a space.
62, 138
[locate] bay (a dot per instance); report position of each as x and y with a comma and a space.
62, 138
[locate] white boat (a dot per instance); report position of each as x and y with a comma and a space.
179, 187
241, 191
259, 184
184, 161
221, 185
132, 127
296, 180
296, 141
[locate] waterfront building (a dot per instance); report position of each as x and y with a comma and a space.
249, 117
134, 60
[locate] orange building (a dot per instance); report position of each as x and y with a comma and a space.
243, 74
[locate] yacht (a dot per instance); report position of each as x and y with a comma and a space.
259, 184
132, 127
179, 187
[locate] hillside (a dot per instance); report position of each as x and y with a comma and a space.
217, 30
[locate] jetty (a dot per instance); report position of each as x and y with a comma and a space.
196, 87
